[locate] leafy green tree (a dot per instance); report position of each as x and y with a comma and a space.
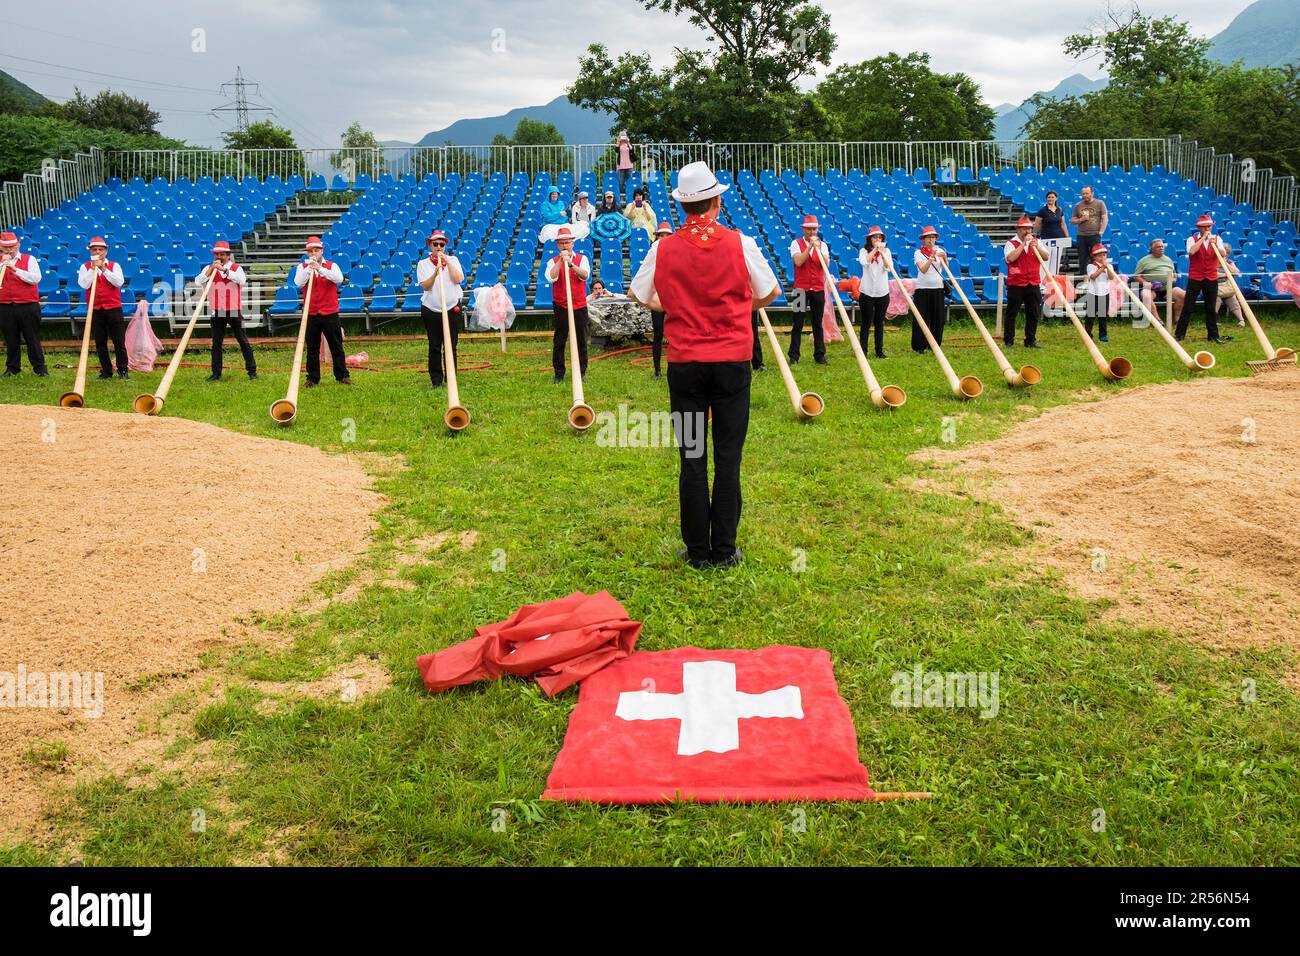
107, 110
260, 135
27, 141
361, 153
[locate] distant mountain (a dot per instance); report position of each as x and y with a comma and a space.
21, 89
1266, 33
1011, 120
576, 125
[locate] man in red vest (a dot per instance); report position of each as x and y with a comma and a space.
1023, 278
707, 279
1202, 278
107, 319
579, 269
20, 307
322, 312
808, 253
224, 307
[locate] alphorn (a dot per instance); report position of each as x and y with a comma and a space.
968, 386
806, 404
457, 416
1270, 353
77, 397
1117, 368
285, 410
581, 415
1201, 362
1028, 374
153, 404
891, 396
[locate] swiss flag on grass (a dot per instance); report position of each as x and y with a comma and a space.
706, 725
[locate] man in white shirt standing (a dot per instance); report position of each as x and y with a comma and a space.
224, 307
106, 276
20, 307
322, 311
440, 276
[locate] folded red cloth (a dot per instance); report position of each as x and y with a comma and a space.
559, 642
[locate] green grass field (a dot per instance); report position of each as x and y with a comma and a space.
1134, 722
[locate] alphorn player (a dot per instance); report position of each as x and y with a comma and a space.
873, 294
1202, 280
808, 253
107, 320
224, 307
1024, 281
440, 276
322, 311
707, 279
657, 318
20, 307
929, 289
579, 269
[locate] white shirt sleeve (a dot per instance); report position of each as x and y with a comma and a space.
582, 266
762, 280
643, 283
794, 247
84, 276
31, 275
862, 257
920, 259
1008, 249
236, 274
423, 269
552, 270
300, 276
114, 276
334, 273
202, 277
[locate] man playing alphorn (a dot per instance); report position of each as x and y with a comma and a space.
707, 279
107, 320
322, 311
1024, 278
20, 307
440, 276
1202, 279
808, 253
224, 307
579, 269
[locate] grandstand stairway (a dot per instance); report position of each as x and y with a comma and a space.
276, 245
992, 213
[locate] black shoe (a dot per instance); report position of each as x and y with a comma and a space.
730, 562
821, 361
1008, 345
252, 376
557, 380
1105, 338
1032, 345
697, 565
1222, 339
1178, 338
213, 378
9, 373
310, 384
104, 376
657, 374
760, 368
436, 384
794, 360
881, 355
121, 373
344, 381
42, 374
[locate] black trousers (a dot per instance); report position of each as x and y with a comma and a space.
1099, 310
106, 323
1031, 298
756, 361
929, 302
21, 322
709, 525
816, 306
329, 326
222, 320
433, 329
1209, 288
871, 312
560, 341
657, 336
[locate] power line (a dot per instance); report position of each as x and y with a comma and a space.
111, 46
114, 76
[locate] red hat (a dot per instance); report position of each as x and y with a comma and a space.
929, 231
313, 242
1024, 222
875, 231
221, 246
8, 239
664, 227
563, 233
810, 222
1205, 220
437, 234
1099, 250
96, 241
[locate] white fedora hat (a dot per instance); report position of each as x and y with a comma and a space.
696, 181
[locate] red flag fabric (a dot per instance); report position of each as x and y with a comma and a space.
559, 642
711, 725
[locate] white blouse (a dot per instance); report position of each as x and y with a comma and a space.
875, 275
932, 278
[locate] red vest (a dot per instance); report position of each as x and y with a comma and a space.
14, 289
107, 295
576, 284
324, 294
810, 274
1026, 270
1204, 264
225, 294
704, 287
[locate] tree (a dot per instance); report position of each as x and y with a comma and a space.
361, 153
896, 97
107, 110
740, 88
261, 135
26, 141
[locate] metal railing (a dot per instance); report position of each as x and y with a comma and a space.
1241, 179
58, 181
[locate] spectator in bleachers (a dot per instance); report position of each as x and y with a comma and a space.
1092, 219
1098, 285
873, 295
598, 291
929, 289
1156, 274
440, 276
224, 307
1202, 280
322, 311
657, 318
626, 158
640, 213
553, 210
1024, 284
809, 253
578, 269
20, 307
107, 320
608, 205
1049, 227
582, 211
1227, 297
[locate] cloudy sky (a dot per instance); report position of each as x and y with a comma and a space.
406, 67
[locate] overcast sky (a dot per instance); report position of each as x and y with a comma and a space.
406, 67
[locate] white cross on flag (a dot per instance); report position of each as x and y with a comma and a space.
708, 725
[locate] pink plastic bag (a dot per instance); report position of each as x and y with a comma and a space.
830, 324
897, 303
1288, 283
1117, 296
352, 361
142, 346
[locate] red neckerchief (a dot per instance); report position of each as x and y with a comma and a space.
928, 251
702, 231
